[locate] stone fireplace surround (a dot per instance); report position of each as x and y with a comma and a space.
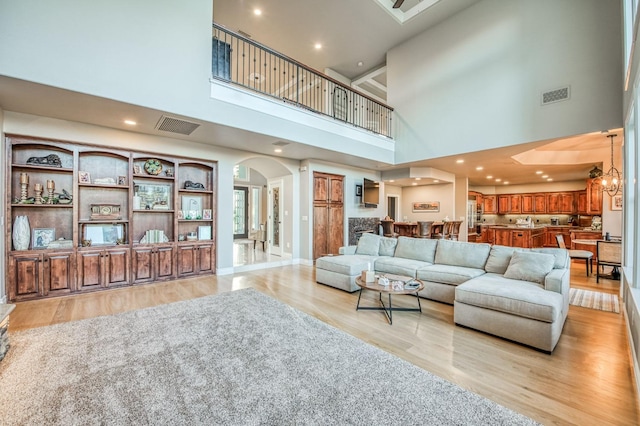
359, 225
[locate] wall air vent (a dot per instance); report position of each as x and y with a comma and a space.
557, 95
175, 125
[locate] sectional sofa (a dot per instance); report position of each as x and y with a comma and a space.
518, 294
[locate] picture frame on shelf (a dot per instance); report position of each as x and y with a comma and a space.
103, 233
84, 177
122, 180
180, 215
206, 214
191, 203
137, 169
42, 237
204, 232
153, 196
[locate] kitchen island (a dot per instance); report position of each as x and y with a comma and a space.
517, 236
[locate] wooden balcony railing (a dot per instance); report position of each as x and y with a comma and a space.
244, 62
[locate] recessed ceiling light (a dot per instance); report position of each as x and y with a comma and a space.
436, 181
460, 161
130, 122
318, 46
539, 172
418, 178
277, 150
498, 180
489, 177
545, 176
550, 179
257, 12
392, 180
414, 184
506, 182
360, 63
479, 168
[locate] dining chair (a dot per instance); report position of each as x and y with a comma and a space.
609, 253
585, 255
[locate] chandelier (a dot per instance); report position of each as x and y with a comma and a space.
611, 180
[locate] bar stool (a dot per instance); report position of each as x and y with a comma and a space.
424, 229
387, 228
454, 230
437, 230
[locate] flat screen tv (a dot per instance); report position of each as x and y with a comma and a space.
371, 193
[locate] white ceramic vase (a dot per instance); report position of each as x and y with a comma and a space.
21, 233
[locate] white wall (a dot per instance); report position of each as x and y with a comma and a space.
477, 78
443, 193
3, 255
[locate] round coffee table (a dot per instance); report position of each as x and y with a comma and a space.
389, 289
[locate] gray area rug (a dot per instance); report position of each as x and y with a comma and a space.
235, 358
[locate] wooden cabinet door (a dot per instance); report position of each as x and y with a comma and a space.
540, 203
527, 203
336, 193
187, 256
320, 187
566, 203
117, 265
502, 237
520, 239
58, 272
594, 197
515, 203
336, 229
504, 204
320, 230
26, 277
164, 262
206, 256
90, 269
553, 202
142, 264
489, 204
581, 202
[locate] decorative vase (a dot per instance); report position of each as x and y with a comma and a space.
21, 233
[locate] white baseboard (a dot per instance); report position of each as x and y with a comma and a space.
224, 271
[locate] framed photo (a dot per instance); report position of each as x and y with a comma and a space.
42, 237
426, 206
153, 196
84, 177
204, 232
358, 190
206, 214
180, 215
103, 233
192, 203
616, 202
137, 169
122, 180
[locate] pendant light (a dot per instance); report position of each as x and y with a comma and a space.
612, 180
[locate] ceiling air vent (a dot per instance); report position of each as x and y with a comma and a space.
175, 125
557, 95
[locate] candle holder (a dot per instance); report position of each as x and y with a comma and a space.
50, 188
38, 190
24, 185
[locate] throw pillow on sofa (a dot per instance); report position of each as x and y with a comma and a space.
529, 266
368, 244
387, 246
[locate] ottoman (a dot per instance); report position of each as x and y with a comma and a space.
341, 271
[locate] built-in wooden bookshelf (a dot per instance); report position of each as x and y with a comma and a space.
116, 217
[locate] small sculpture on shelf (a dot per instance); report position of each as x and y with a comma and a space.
86, 243
193, 185
64, 198
48, 160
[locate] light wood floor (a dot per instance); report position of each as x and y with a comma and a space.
586, 381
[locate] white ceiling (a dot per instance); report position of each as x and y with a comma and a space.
370, 31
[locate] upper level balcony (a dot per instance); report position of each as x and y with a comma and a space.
252, 66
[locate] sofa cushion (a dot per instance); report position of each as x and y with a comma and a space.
368, 244
499, 258
456, 253
387, 246
529, 266
399, 266
521, 298
416, 248
347, 265
561, 256
447, 274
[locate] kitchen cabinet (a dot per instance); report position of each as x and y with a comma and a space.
528, 204
504, 204
581, 202
515, 203
490, 204
560, 202
594, 197
552, 231
534, 203
519, 237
